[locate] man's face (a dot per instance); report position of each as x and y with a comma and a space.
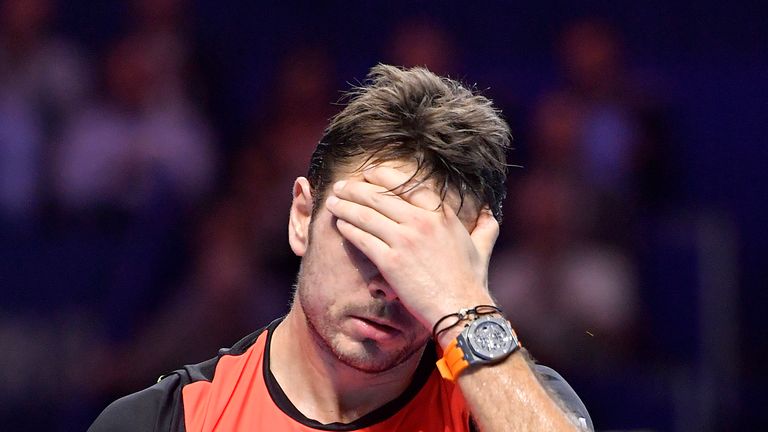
350, 309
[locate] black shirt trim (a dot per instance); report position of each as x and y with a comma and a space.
423, 371
160, 407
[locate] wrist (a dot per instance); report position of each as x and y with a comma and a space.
449, 326
488, 338
447, 305
445, 338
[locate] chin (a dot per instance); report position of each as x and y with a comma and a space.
365, 355
369, 357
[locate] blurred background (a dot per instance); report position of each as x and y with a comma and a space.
148, 149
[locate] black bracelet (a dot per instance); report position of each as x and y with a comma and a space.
461, 315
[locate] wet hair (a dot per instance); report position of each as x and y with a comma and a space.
453, 134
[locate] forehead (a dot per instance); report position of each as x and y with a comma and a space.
467, 211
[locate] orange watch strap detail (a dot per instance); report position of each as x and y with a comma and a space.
453, 362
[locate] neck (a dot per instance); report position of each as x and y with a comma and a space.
322, 387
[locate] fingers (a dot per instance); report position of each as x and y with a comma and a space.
485, 233
365, 218
367, 229
370, 245
375, 197
401, 183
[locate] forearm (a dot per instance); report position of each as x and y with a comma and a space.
508, 396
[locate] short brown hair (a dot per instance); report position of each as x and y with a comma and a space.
455, 135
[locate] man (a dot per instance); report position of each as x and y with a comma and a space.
395, 224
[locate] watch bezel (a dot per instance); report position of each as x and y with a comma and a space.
486, 356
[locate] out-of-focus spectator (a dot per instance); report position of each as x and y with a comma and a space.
228, 293
298, 112
556, 135
591, 54
144, 136
422, 42
573, 299
604, 129
164, 26
43, 80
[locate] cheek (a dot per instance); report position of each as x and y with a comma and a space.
332, 256
326, 268
345, 260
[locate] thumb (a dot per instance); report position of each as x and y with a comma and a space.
485, 233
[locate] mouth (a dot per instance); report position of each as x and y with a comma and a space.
379, 323
375, 328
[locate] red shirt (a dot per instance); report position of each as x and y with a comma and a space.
235, 391
239, 399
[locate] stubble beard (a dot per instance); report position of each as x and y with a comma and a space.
365, 356
369, 358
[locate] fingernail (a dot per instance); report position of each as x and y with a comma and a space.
331, 201
339, 185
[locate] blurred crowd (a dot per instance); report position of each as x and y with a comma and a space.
134, 240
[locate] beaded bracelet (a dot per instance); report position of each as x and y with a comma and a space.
463, 314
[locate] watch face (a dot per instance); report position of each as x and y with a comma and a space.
490, 337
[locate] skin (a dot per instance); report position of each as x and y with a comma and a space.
379, 271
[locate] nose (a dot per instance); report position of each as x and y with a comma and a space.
380, 289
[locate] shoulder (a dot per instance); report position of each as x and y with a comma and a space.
558, 386
154, 408
160, 407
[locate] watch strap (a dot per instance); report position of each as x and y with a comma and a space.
453, 362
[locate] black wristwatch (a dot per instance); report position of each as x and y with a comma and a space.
486, 340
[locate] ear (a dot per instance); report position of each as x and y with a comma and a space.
301, 215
